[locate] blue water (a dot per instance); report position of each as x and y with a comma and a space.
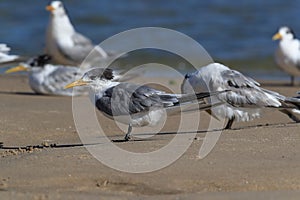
227, 29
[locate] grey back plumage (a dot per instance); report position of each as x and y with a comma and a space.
82, 47
246, 92
127, 98
61, 77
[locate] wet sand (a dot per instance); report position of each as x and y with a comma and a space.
256, 160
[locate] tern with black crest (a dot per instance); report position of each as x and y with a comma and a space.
49, 79
132, 104
245, 99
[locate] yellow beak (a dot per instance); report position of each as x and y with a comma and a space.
79, 82
16, 69
50, 8
277, 36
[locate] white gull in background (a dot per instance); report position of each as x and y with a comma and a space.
287, 55
245, 99
64, 44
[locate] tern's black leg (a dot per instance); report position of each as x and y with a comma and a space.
127, 136
229, 123
292, 81
291, 115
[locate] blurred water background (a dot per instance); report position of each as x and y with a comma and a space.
237, 33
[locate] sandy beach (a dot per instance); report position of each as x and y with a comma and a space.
256, 160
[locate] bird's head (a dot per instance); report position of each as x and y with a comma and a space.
284, 33
36, 62
95, 77
56, 8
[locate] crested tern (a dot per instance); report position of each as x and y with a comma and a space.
63, 43
245, 98
49, 79
287, 55
132, 104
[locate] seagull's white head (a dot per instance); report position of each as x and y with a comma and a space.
284, 33
56, 8
33, 63
95, 77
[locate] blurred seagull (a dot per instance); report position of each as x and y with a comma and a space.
4, 54
245, 98
287, 55
63, 43
49, 79
131, 104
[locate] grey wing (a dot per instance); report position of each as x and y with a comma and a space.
127, 98
59, 78
236, 79
82, 47
298, 64
80, 39
245, 92
298, 60
83, 41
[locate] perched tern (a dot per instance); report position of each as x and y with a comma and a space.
245, 99
45, 78
287, 55
49, 79
63, 43
4, 54
131, 104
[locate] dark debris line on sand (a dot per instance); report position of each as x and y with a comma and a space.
14, 150
41, 146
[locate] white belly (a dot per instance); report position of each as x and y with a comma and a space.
151, 118
287, 63
239, 114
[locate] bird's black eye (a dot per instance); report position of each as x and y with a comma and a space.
60, 5
33, 63
92, 77
187, 76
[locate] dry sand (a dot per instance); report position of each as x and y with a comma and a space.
257, 160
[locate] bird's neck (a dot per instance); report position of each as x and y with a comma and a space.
104, 85
99, 89
287, 40
289, 45
61, 25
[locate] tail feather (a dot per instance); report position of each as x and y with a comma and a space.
191, 107
291, 107
198, 96
294, 101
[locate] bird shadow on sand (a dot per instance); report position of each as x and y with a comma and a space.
31, 94
132, 140
274, 125
289, 85
43, 146
20, 93
72, 145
